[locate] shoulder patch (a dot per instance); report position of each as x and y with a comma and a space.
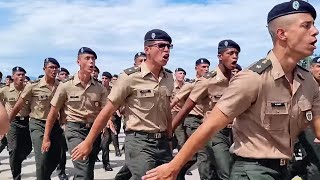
132, 70
260, 65
68, 79
35, 81
167, 70
210, 74
303, 68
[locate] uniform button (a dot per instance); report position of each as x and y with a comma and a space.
278, 111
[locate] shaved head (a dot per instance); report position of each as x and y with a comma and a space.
281, 23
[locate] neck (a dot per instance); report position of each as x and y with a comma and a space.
107, 86
49, 80
180, 83
84, 76
155, 69
226, 72
287, 59
18, 86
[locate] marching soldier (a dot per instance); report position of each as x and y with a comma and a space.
38, 95
18, 137
274, 100
145, 92
81, 98
63, 74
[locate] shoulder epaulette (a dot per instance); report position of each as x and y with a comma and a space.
68, 79
35, 81
132, 70
303, 68
210, 74
260, 66
167, 70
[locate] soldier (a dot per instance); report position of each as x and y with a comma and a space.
306, 160
207, 91
139, 58
193, 120
26, 80
145, 92
8, 80
38, 94
180, 132
61, 168
18, 137
273, 101
63, 74
95, 72
106, 133
81, 97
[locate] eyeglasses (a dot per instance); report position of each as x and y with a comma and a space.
162, 45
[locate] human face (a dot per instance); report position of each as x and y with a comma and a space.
105, 81
202, 69
315, 70
25, 81
139, 60
51, 70
87, 63
159, 52
18, 77
8, 81
229, 58
95, 73
179, 76
62, 75
301, 34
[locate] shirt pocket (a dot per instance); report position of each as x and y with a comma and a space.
305, 113
75, 101
276, 115
43, 101
146, 98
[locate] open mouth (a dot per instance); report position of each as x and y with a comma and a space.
234, 63
166, 56
314, 43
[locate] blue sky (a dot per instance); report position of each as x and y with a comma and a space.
31, 30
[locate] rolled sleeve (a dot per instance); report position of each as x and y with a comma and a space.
121, 90
241, 93
59, 97
184, 91
26, 94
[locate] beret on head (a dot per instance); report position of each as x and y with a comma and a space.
156, 35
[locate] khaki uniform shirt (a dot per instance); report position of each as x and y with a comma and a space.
80, 104
209, 89
269, 115
146, 99
39, 95
183, 95
178, 106
9, 96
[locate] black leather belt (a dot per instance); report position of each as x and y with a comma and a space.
20, 118
159, 135
272, 163
80, 124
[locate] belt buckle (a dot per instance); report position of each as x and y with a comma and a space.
21, 118
157, 135
283, 162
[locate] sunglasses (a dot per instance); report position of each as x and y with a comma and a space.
162, 45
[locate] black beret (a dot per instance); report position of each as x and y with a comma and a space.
64, 70
97, 69
27, 78
180, 69
40, 76
202, 61
115, 76
291, 7
238, 67
17, 68
228, 44
316, 60
157, 34
107, 74
51, 60
9, 77
139, 54
86, 50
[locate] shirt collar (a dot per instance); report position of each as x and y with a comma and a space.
77, 81
276, 71
145, 70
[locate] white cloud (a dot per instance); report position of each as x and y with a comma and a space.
115, 30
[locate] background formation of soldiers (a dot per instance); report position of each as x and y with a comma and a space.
82, 114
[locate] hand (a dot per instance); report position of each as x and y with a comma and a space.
46, 143
82, 151
111, 126
163, 172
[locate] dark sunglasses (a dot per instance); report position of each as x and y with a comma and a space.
162, 45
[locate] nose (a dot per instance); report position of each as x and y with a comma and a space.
315, 31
